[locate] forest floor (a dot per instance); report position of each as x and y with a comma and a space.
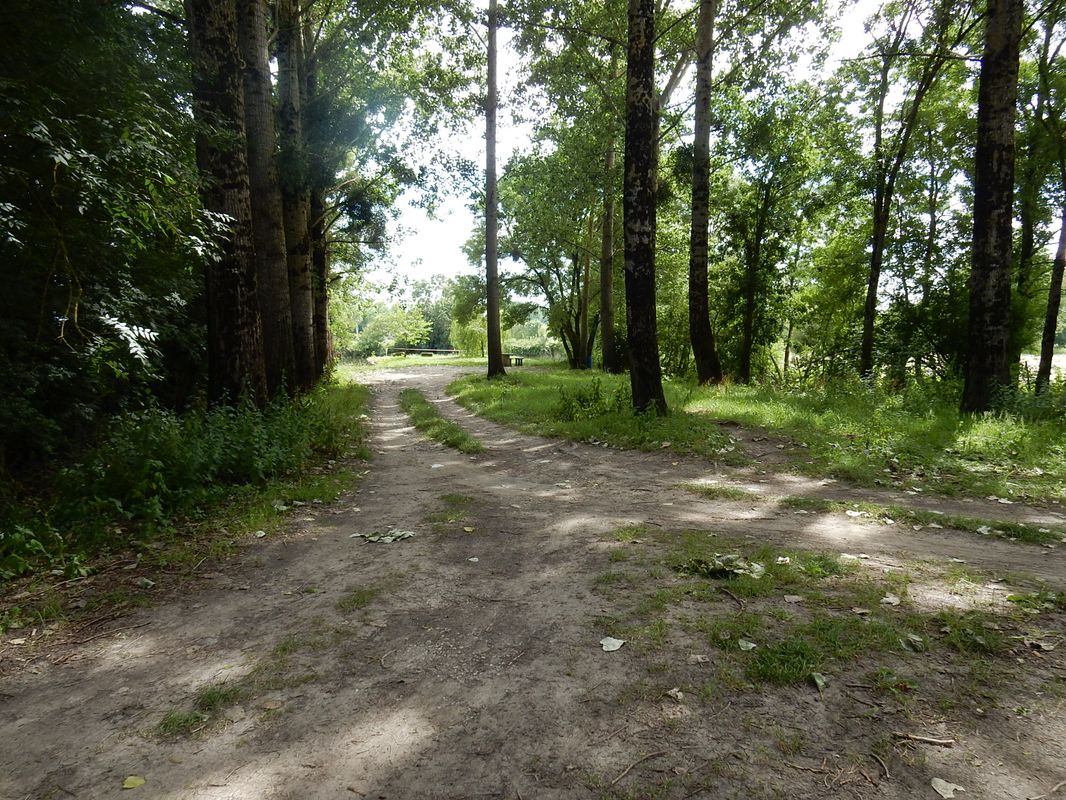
466, 662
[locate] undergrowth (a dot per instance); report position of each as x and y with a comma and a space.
155, 471
427, 419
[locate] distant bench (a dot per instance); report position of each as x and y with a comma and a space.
512, 360
419, 351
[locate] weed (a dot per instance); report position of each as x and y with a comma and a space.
215, 698
180, 723
970, 632
719, 492
630, 533
427, 419
786, 662
357, 598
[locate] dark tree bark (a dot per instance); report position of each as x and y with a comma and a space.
704, 351
1051, 318
638, 206
492, 277
987, 365
295, 194
234, 335
320, 283
267, 220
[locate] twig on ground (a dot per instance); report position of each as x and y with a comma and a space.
1049, 792
110, 632
736, 599
386, 655
610, 735
858, 699
924, 739
884, 766
635, 763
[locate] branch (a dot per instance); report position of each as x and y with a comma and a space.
158, 12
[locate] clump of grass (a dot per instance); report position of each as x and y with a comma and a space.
454, 510
179, 723
576, 405
359, 597
208, 706
427, 419
719, 492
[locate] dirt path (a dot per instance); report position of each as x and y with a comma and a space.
475, 671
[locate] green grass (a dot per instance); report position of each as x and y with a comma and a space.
427, 419
879, 512
568, 404
359, 597
915, 439
719, 492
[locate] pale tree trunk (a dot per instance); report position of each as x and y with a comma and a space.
295, 195
638, 206
492, 277
611, 361
704, 351
1051, 319
234, 335
267, 220
320, 282
987, 365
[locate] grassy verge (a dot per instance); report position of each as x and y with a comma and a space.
166, 493
789, 617
591, 408
351, 370
427, 419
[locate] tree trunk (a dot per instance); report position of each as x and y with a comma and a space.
1051, 319
704, 351
267, 219
611, 361
295, 194
236, 363
320, 282
641, 165
987, 367
492, 277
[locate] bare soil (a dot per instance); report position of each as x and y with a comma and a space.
476, 669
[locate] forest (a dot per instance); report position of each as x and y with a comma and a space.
732, 466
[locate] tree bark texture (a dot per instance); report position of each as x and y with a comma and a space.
704, 350
987, 365
234, 337
267, 219
1051, 318
611, 361
492, 277
320, 282
295, 194
638, 207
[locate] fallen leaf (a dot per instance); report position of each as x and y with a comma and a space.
890, 600
914, 642
468, 529
745, 645
862, 612
783, 560
473, 560
698, 658
260, 534
676, 693
20, 640
145, 583
945, 789
610, 644
271, 705
133, 781
819, 681
793, 598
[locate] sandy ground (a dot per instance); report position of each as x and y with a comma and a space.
476, 672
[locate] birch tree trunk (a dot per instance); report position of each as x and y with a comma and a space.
492, 278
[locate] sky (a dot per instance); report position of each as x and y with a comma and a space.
424, 245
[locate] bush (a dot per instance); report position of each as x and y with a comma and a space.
590, 401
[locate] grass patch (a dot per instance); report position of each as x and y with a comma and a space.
357, 598
454, 509
592, 408
719, 492
426, 418
877, 512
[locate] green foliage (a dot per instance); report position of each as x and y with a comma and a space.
152, 467
589, 402
428, 420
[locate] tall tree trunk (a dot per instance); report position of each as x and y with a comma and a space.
987, 367
295, 195
267, 219
320, 282
638, 206
234, 331
704, 351
1051, 318
611, 361
492, 277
